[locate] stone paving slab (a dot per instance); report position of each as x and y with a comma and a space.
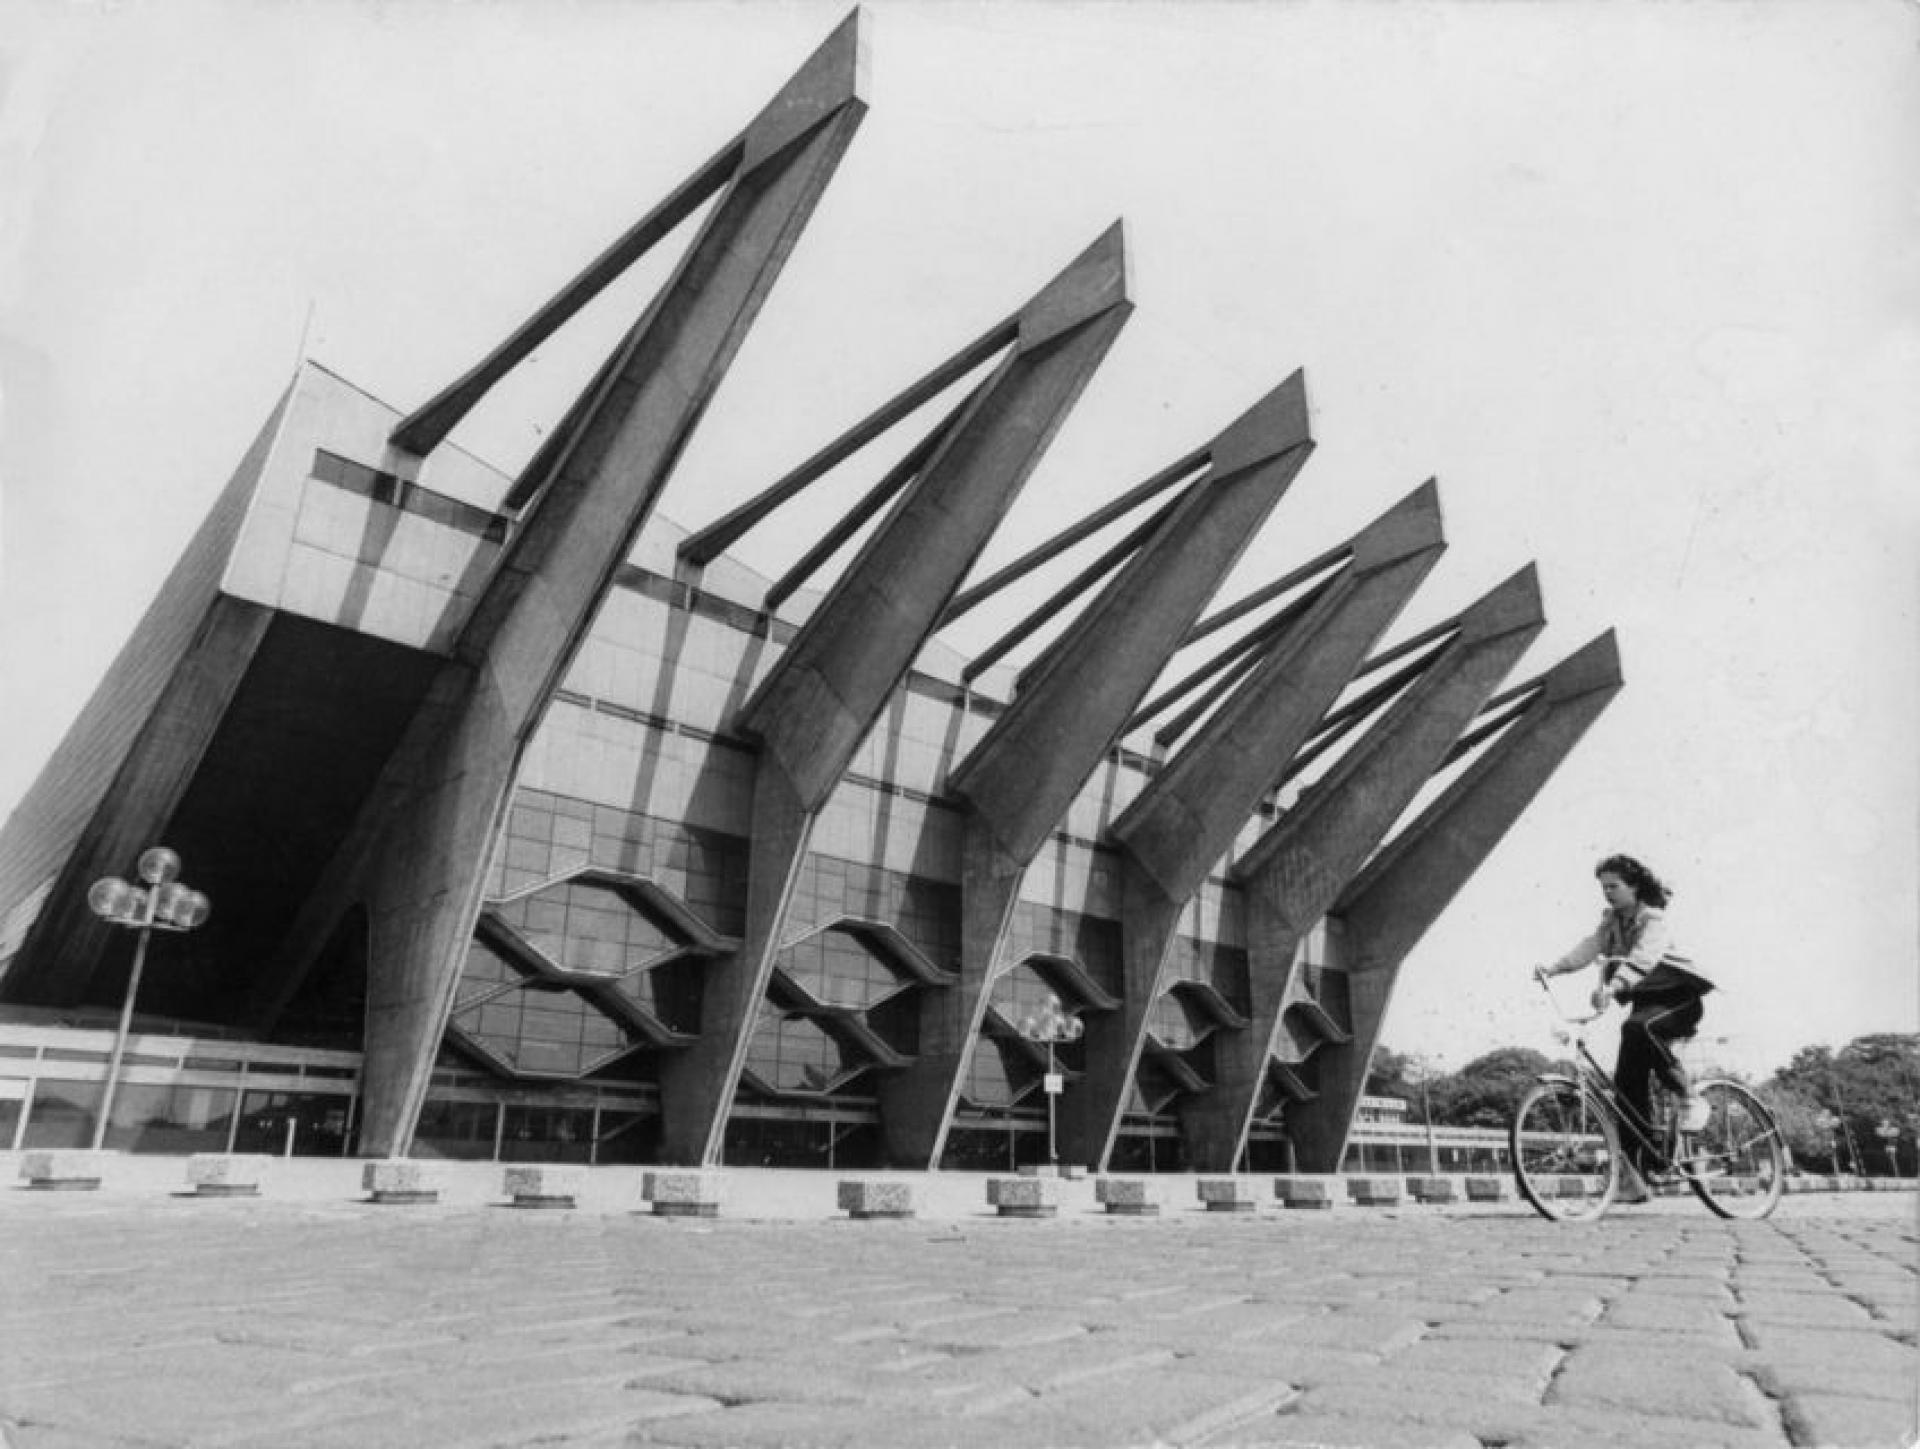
314, 1322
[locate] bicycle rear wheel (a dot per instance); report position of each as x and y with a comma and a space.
1735, 1164
1566, 1153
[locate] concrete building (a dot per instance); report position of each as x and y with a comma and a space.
538, 826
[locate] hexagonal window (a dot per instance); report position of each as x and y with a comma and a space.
539, 1031
586, 926
836, 967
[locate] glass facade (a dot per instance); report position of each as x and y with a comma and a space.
295, 1124
63, 1113
171, 1118
546, 1134
457, 1130
791, 1053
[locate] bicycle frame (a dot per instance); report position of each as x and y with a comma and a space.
1599, 1082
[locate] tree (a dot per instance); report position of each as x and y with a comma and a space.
1871, 1080
1392, 1074
1485, 1091
1799, 1117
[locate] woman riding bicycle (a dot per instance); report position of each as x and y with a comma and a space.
1661, 987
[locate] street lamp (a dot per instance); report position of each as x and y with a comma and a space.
164, 903
1826, 1121
1052, 1025
1426, 1067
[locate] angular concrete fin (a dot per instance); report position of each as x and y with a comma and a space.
1411, 526
1513, 604
1595, 665
1279, 421
834, 75
1094, 283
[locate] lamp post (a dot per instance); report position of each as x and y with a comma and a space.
1052, 1025
162, 903
1426, 1067
1826, 1122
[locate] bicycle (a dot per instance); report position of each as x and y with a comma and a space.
1567, 1133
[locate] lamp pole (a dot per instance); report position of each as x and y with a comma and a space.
1052, 1025
1826, 1122
164, 904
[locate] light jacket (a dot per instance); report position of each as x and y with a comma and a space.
1643, 943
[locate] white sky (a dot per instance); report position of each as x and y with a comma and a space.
1637, 282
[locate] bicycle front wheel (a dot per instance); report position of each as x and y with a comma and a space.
1566, 1152
1736, 1164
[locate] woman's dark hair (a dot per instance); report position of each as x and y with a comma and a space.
1643, 882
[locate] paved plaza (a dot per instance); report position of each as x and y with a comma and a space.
139, 1316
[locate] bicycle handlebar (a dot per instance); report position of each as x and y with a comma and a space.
1540, 975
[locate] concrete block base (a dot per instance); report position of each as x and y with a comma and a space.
1376, 1191
1312, 1193
399, 1182
1433, 1189
542, 1187
883, 1198
213, 1174
62, 1170
1024, 1197
1231, 1194
684, 1194
1137, 1197
1488, 1189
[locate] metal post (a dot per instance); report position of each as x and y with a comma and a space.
1053, 1158
26, 1113
126, 1019
239, 1103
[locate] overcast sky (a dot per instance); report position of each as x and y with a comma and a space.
1636, 282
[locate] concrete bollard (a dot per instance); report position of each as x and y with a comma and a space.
1138, 1197
543, 1186
868, 1197
1024, 1197
217, 1174
1302, 1191
59, 1170
400, 1181
1231, 1194
1487, 1189
1433, 1189
684, 1194
1376, 1191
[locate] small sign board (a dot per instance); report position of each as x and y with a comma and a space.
1054, 1083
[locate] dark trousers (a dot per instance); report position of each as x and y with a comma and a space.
1644, 1054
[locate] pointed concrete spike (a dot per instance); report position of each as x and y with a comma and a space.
1411, 526
1514, 604
833, 76
1095, 282
1596, 665
1279, 421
